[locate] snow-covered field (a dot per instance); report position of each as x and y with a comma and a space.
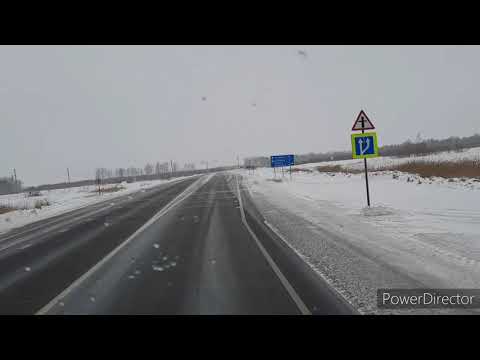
61, 201
382, 162
417, 234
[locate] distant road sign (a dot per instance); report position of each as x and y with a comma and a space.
282, 160
362, 122
364, 145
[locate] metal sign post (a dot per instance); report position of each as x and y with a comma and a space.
366, 175
364, 145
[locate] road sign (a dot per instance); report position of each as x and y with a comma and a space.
362, 122
364, 145
282, 160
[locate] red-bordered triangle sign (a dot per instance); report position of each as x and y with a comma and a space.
362, 122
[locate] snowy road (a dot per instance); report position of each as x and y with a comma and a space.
415, 236
192, 247
39, 260
305, 245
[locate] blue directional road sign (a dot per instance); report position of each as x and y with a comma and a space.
364, 145
282, 160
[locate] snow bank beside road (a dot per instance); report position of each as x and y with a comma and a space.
416, 235
61, 201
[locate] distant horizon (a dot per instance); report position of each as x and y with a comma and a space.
254, 156
84, 107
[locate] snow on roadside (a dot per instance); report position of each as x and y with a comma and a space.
383, 161
61, 201
415, 235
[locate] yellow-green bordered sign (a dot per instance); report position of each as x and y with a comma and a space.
364, 145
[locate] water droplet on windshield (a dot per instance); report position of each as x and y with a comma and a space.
157, 268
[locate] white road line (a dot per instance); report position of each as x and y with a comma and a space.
291, 291
71, 213
68, 219
53, 227
48, 221
177, 200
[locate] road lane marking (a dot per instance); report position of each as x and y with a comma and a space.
50, 229
71, 215
50, 225
290, 290
177, 200
67, 217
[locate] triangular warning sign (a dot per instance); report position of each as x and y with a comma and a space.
362, 122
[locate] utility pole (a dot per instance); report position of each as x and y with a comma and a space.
15, 179
68, 174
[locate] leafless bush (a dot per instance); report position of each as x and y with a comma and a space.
41, 203
34, 193
337, 169
110, 189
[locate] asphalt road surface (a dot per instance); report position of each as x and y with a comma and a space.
191, 247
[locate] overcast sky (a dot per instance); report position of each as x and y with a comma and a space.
84, 107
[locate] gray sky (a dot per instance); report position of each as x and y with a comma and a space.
117, 106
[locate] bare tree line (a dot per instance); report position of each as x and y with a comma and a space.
148, 169
417, 146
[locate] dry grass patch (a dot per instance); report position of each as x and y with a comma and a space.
6, 209
275, 180
445, 169
295, 170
